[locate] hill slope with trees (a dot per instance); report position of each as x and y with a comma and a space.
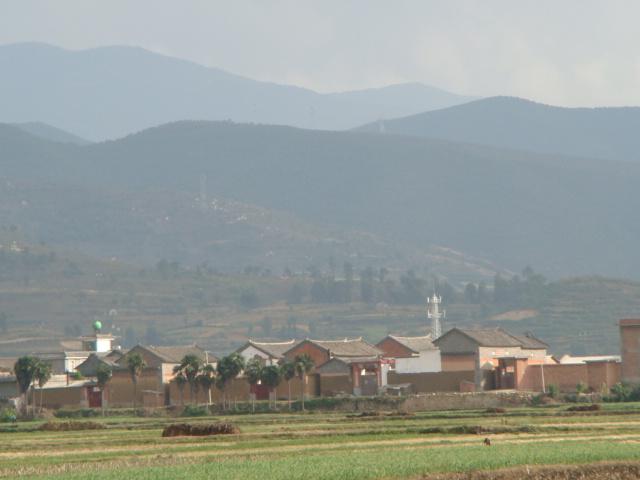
564, 215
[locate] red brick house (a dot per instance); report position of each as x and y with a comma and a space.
358, 363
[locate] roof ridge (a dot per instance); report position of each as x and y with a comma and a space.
428, 335
288, 342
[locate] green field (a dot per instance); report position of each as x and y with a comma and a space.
324, 445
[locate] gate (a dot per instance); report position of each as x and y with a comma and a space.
94, 395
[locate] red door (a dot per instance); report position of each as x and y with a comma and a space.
94, 395
261, 392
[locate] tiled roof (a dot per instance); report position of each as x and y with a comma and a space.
491, 337
177, 353
529, 341
273, 349
350, 360
415, 344
355, 347
497, 337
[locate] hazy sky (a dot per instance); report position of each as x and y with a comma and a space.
568, 52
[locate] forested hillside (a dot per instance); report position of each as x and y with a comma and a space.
564, 215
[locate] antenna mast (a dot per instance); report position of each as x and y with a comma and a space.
435, 315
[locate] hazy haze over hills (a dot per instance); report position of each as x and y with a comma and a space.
110, 92
516, 123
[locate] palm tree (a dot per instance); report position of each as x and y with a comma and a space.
190, 367
304, 364
207, 379
103, 375
181, 381
42, 374
135, 366
253, 372
288, 371
24, 368
271, 377
229, 367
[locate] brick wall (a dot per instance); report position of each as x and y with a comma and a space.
331, 385
457, 363
53, 398
567, 377
239, 389
120, 387
630, 350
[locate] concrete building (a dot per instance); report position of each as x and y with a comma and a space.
270, 352
411, 354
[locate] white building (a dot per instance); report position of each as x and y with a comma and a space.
270, 352
411, 354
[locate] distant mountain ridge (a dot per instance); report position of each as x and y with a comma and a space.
563, 215
509, 122
48, 132
109, 92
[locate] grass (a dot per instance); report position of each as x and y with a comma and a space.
325, 446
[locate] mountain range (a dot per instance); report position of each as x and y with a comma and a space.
508, 122
109, 92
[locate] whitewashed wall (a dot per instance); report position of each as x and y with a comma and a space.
427, 361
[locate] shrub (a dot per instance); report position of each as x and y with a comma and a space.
195, 411
554, 391
581, 387
620, 392
186, 429
8, 415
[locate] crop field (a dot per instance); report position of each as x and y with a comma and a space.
330, 446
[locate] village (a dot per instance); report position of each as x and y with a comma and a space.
460, 360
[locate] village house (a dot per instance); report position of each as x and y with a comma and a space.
491, 353
65, 362
271, 353
153, 388
350, 366
410, 354
89, 368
